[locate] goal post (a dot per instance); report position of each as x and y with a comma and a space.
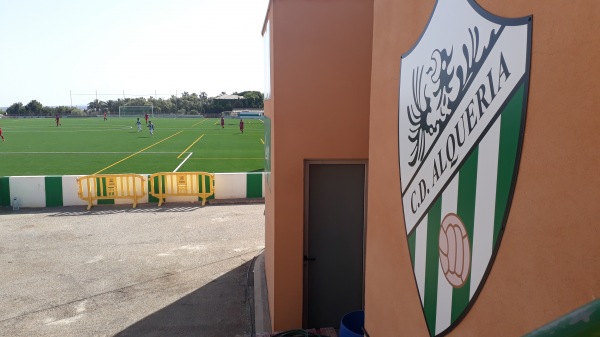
136, 111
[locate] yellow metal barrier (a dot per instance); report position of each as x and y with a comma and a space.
111, 186
176, 184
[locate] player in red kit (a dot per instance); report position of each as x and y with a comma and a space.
146, 117
57, 120
105, 116
1, 134
242, 125
222, 123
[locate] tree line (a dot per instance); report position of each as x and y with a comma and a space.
186, 104
35, 108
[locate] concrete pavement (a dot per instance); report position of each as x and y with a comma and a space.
178, 270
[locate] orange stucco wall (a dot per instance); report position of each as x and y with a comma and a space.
549, 260
321, 69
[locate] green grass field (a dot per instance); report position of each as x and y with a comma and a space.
91, 145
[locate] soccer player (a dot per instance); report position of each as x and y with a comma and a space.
242, 125
1, 134
57, 120
139, 125
146, 116
151, 127
105, 116
222, 123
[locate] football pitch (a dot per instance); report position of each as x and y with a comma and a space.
84, 146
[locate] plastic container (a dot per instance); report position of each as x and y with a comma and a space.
352, 324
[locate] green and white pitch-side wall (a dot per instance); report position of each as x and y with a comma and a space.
52, 191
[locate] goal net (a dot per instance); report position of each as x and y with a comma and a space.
136, 111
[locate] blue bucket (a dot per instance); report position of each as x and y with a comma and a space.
352, 324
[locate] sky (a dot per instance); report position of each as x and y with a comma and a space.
63, 50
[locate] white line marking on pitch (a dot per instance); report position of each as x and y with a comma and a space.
186, 158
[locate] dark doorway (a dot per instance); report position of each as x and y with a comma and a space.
334, 242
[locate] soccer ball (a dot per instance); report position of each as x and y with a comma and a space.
455, 252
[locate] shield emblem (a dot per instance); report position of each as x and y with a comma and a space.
462, 103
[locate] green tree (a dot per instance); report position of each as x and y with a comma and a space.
203, 97
168, 107
47, 111
112, 106
253, 99
16, 109
96, 105
34, 108
67, 110
138, 101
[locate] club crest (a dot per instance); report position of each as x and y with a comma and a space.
462, 104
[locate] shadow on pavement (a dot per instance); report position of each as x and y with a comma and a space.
105, 209
218, 309
113, 210
142, 208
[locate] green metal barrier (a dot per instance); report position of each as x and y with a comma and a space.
581, 322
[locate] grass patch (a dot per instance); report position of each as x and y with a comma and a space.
89, 145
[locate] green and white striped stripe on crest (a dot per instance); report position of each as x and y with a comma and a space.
479, 194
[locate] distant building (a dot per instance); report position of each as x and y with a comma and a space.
230, 97
246, 113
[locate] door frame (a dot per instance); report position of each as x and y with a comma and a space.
305, 251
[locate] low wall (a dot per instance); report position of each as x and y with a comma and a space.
52, 191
